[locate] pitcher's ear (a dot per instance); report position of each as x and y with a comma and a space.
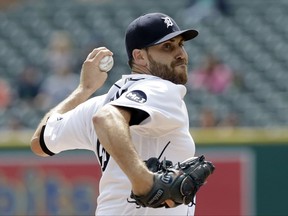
140, 57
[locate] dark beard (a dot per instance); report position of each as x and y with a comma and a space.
167, 73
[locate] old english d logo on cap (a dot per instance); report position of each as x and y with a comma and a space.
167, 21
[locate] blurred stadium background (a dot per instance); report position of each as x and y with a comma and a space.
250, 36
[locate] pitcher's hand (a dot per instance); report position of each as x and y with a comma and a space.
92, 78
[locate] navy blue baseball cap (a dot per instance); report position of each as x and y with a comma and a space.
152, 29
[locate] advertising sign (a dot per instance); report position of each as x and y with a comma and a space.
58, 185
230, 189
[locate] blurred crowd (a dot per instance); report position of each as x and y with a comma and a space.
214, 77
223, 69
35, 90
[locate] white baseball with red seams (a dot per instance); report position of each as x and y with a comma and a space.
106, 63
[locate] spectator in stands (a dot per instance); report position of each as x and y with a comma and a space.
61, 79
9, 120
60, 51
56, 87
207, 118
5, 94
28, 85
231, 120
213, 76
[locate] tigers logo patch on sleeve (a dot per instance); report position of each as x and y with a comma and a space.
137, 96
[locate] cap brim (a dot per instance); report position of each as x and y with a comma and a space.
186, 34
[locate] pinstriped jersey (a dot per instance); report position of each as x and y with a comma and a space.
166, 121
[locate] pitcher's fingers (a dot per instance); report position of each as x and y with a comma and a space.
101, 54
94, 52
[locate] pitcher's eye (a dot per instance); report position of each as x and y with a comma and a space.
167, 46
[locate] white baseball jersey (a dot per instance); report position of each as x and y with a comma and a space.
166, 122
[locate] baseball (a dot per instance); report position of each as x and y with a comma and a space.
106, 63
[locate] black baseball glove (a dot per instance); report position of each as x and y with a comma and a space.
178, 182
